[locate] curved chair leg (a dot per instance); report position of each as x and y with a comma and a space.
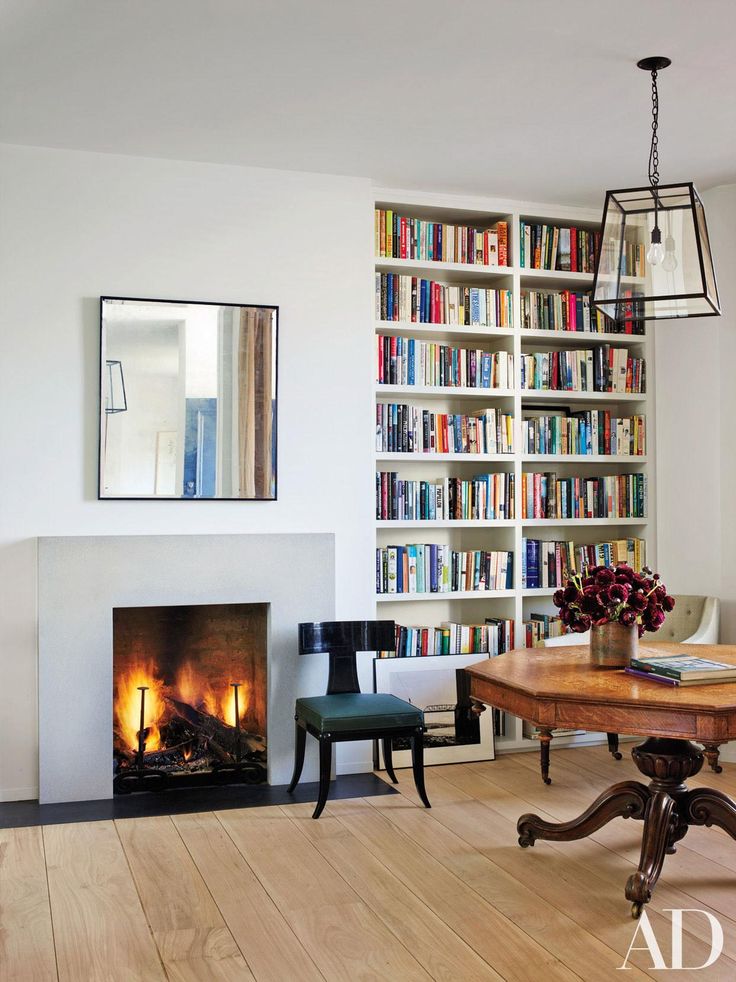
545, 736
300, 742
712, 754
325, 766
388, 759
417, 764
613, 746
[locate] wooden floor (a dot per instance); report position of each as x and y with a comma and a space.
376, 889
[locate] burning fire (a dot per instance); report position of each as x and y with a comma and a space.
197, 692
128, 705
223, 706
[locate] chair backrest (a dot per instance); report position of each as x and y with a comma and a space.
341, 639
567, 639
695, 620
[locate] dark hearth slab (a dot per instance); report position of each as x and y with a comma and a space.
18, 814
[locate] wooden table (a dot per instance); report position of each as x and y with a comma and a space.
554, 687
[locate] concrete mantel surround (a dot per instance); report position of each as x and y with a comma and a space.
81, 579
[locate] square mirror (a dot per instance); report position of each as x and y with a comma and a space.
187, 400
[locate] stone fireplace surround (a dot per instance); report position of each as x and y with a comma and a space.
81, 579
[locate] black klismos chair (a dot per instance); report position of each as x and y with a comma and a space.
346, 713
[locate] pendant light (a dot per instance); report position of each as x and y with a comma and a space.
655, 260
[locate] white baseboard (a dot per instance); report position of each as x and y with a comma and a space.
18, 794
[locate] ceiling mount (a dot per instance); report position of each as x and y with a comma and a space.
654, 64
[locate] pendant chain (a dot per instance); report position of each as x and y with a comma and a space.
654, 150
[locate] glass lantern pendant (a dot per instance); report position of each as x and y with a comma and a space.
655, 260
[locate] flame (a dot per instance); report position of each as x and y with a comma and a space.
187, 685
128, 705
223, 706
187, 753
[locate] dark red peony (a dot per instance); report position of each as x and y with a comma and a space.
608, 594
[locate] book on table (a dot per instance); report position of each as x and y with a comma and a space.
685, 669
677, 683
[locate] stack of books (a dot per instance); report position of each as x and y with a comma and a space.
681, 670
436, 568
546, 564
539, 627
612, 496
598, 369
404, 237
450, 638
485, 496
593, 431
423, 301
567, 310
401, 428
408, 361
551, 247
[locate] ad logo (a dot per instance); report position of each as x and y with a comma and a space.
645, 929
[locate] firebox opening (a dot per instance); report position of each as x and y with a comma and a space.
189, 696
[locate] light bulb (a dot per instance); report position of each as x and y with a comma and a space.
655, 254
669, 263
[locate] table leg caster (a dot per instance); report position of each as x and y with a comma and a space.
636, 908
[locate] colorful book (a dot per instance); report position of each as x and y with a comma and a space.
685, 668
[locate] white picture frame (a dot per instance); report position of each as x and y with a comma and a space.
431, 682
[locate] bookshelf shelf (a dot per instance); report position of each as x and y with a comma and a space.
460, 458
433, 597
580, 338
442, 392
554, 522
417, 329
561, 458
557, 278
554, 395
459, 523
517, 604
542, 591
421, 267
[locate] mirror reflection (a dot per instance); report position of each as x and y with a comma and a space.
188, 400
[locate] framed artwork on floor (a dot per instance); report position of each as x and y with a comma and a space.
441, 689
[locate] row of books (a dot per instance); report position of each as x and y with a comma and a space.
566, 310
423, 568
486, 496
632, 261
553, 247
601, 368
539, 627
549, 563
423, 301
594, 431
492, 638
613, 496
402, 428
410, 361
403, 237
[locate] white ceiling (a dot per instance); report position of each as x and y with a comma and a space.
531, 99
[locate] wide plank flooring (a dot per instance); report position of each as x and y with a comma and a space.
378, 889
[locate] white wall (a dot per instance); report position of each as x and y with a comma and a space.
696, 449
77, 225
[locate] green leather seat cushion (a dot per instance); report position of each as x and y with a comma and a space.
357, 711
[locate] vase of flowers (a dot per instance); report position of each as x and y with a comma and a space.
617, 605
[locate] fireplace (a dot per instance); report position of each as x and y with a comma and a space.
189, 696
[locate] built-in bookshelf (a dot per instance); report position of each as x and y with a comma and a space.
450, 450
